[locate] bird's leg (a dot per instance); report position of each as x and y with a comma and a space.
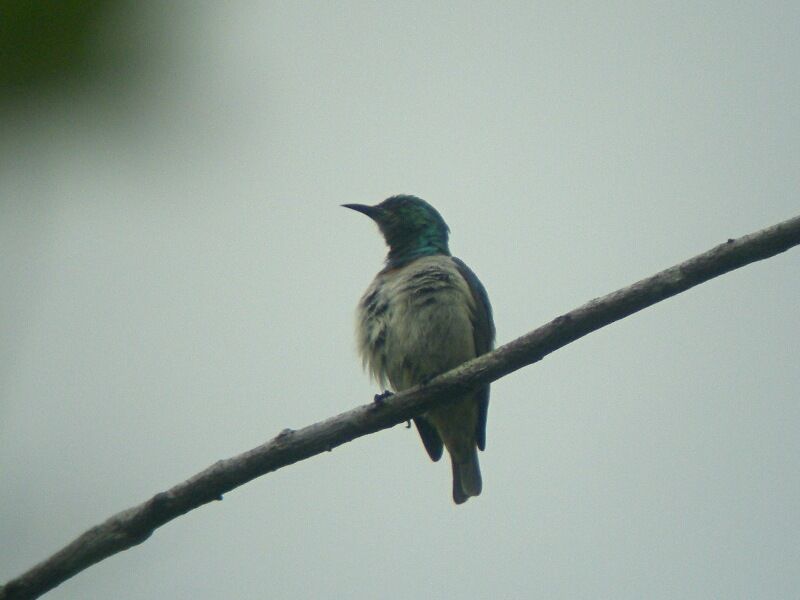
380, 398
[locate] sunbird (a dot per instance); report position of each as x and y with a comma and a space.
425, 313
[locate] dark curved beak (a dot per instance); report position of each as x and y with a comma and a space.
371, 211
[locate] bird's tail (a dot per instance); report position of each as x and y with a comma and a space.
466, 477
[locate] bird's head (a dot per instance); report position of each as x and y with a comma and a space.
412, 228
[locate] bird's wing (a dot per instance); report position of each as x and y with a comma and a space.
483, 332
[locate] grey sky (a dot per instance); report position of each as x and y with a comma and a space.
179, 283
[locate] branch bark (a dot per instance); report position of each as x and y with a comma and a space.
134, 525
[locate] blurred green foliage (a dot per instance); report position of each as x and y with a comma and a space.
48, 42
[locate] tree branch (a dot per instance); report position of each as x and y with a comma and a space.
133, 526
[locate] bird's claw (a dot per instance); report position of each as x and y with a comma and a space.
380, 398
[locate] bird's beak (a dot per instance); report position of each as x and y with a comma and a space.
371, 211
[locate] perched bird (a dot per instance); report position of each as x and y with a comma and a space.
425, 313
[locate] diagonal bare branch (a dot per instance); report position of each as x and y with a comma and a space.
134, 525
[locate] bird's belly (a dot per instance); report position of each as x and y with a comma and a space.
416, 323
427, 336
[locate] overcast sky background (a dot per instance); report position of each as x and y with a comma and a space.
179, 283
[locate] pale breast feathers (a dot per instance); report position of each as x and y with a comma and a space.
416, 322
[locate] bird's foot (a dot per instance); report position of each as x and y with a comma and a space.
381, 398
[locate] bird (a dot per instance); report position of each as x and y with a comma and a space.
425, 313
